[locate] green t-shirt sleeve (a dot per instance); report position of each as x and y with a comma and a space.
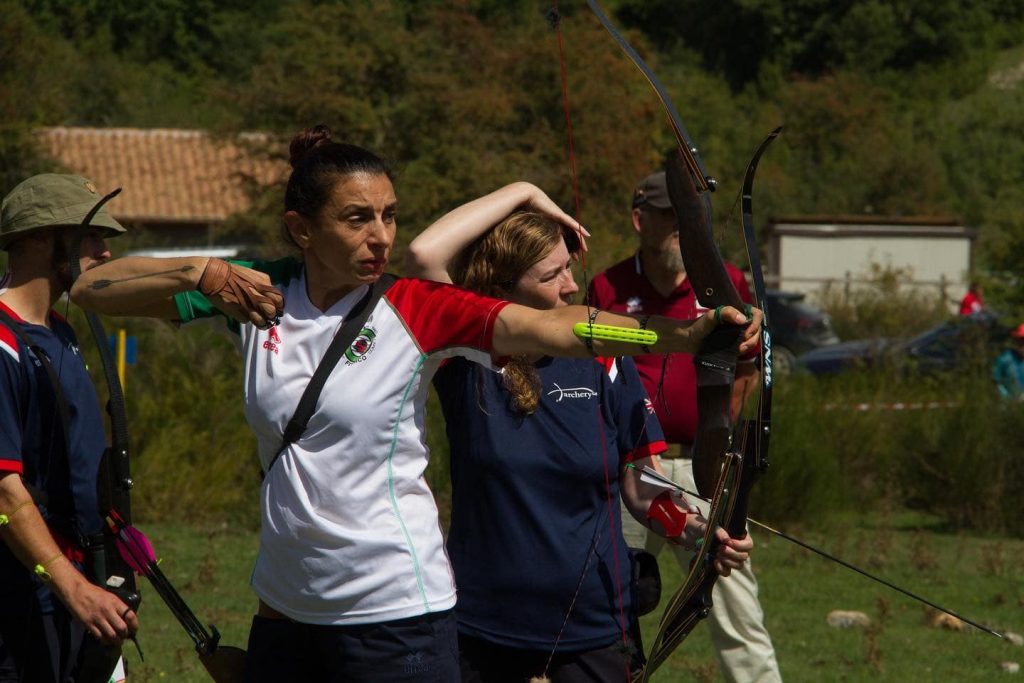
195, 306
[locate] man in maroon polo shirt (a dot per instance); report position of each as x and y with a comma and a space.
653, 281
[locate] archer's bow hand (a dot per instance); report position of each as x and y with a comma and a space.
245, 294
751, 337
727, 315
730, 553
104, 615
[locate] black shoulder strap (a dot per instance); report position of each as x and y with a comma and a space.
343, 339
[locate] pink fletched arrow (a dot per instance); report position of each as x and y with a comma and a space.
138, 553
133, 545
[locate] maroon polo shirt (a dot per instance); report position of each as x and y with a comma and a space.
624, 288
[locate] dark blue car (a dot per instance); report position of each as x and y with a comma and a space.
939, 348
796, 327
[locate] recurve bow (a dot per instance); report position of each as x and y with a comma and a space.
722, 472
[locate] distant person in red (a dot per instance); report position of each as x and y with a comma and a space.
972, 301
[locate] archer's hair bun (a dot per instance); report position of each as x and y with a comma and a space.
306, 141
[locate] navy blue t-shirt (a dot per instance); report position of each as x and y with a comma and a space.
529, 500
31, 434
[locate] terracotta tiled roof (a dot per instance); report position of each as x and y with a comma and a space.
167, 175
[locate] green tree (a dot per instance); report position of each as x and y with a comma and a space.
985, 159
744, 39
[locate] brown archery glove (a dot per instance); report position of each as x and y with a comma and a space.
248, 299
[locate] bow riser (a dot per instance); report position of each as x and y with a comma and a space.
716, 360
714, 459
753, 434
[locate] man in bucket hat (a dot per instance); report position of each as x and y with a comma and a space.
50, 444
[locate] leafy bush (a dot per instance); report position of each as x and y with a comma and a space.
885, 439
964, 463
886, 306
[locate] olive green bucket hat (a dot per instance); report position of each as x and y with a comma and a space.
49, 200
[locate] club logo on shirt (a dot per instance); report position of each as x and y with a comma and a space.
648, 406
634, 305
273, 342
362, 346
574, 392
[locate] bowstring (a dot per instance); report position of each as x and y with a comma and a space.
554, 19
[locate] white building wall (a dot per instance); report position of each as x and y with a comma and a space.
808, 257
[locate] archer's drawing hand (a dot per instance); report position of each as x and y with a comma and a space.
243, 293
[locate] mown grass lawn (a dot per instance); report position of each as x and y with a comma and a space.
982, 578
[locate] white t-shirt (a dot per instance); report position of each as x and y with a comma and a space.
350, 530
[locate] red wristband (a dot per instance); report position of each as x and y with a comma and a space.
668, 514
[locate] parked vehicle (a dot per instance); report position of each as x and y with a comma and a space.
796, 327
937, 349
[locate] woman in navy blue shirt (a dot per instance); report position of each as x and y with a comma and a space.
539, 455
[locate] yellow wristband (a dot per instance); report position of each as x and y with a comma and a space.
40, 569
6, 519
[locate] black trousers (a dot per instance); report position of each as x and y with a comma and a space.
36, 646
485, 662
421, 649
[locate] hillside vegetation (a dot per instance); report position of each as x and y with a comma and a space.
892, 108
